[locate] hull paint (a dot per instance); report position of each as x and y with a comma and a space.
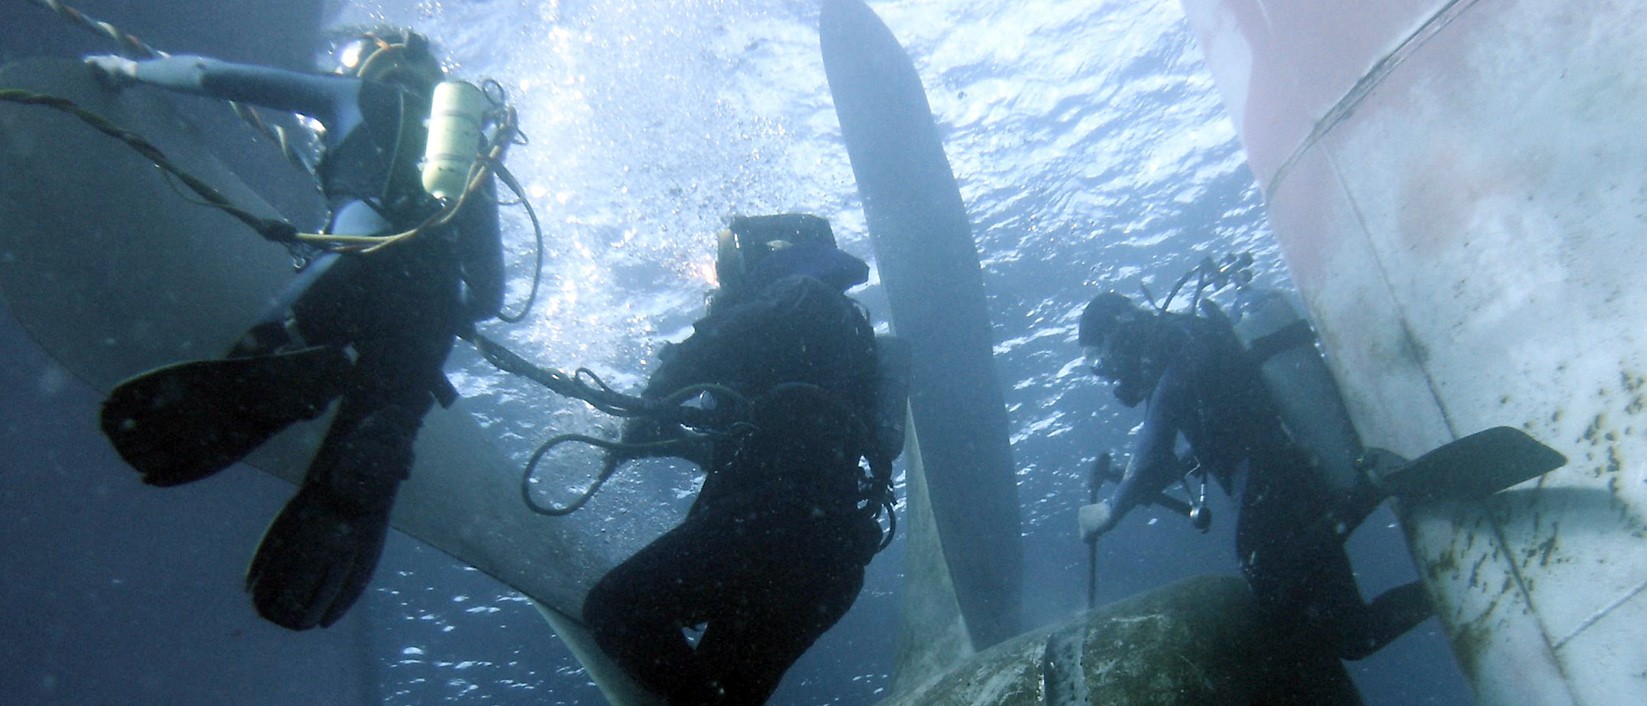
1458, 193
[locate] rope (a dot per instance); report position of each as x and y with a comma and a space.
131, 46
585, 385
276, 230
270, 228
606, 472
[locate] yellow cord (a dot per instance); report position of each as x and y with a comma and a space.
477, 177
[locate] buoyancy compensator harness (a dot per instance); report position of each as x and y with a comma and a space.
1279, 341
727, 415
750, 254
708, 410
469, 128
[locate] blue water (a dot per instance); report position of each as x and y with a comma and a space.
1091, 150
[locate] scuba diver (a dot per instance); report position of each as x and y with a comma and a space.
773, 550
369, 326
1197, 379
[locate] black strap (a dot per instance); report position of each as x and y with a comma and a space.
1297, 333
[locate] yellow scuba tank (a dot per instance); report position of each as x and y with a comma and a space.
455, 141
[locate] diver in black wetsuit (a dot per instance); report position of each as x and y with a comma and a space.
772, 552
372, 328
1197, 380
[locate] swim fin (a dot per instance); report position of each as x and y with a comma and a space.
314, 562
318, 555
184, 422
1470, 468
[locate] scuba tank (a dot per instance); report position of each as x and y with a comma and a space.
455, 139
1305, 393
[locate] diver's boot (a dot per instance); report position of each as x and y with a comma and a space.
1470, 468
184, 422
318, 556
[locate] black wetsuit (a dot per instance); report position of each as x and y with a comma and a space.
772, 553
1290, 551
397, 310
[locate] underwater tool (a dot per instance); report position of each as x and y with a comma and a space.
1101, 470
1470, 468
1175, 505
1200, 516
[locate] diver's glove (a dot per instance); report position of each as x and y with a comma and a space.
114, 71
1096, 519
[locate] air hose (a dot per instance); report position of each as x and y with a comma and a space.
484, 165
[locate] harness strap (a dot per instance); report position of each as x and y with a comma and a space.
1293, 335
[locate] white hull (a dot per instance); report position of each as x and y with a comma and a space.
1460, 194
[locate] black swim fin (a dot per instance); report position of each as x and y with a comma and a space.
319, 554
184, 422
1470, 468
314, 562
